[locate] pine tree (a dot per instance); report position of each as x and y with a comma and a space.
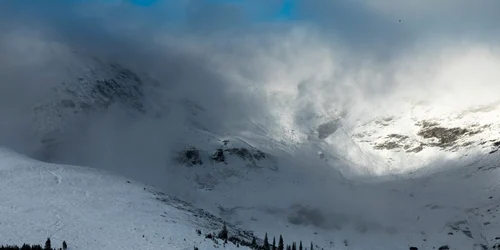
48, 246
312, 248
294, 246
288, 247
274, 243
65, 246
266, 243
223, 234
300, 245
281, 246
254, 243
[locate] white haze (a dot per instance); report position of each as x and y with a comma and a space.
282, 77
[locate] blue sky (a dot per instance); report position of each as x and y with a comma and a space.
259, 11
364, 24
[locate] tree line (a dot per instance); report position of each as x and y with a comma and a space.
266, 245
47, 246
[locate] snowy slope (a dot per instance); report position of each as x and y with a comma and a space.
454, 206
91, 209
378, 174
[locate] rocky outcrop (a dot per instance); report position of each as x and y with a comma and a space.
95, 89
190, 157
208, 168
438, 136
326, 129
429, 134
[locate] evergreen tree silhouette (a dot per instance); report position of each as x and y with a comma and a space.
300, 245
254, 243
312, 247
288, 247
266, 243
294, 246
274, 243
223, 234
48, 246
281, 246
65, 246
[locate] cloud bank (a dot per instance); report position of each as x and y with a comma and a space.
245, 63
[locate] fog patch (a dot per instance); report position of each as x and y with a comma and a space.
301, 215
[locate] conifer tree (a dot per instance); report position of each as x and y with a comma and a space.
266, 243
281, 245
223, 234
294, 246
254, 243
300, 245
274, 243
48, 246
312, 247
65, 246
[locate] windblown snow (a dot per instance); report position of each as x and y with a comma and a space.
288, 138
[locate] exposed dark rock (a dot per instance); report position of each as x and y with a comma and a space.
446, 137
398, 141
251, 155
445, 247
326, 129
413, 248
416, 149
218, 156
397, 136
388, 145
259, 155
468, 233
243, 153
190, 157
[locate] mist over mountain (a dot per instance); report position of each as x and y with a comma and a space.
339, 115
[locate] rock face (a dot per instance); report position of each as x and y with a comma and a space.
326, 129
210, 166
443, 137
190, 157
92, 90
430, 134
449, 133
418, 134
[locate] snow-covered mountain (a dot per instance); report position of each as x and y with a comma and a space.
92, 209
269, 156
